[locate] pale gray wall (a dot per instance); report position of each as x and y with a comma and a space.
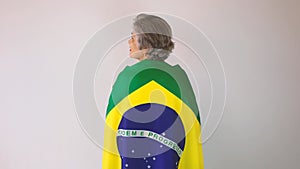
258, 42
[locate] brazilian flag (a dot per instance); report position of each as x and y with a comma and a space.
152, 120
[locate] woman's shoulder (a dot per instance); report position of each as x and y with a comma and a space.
152, 64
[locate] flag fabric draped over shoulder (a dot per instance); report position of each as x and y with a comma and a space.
152, 120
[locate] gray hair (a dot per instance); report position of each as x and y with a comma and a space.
154, 34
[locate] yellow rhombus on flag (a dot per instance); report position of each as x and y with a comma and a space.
152, 120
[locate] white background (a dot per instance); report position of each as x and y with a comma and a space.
258, 42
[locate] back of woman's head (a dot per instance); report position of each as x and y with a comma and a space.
154, 34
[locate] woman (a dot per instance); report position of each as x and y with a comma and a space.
152, 118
